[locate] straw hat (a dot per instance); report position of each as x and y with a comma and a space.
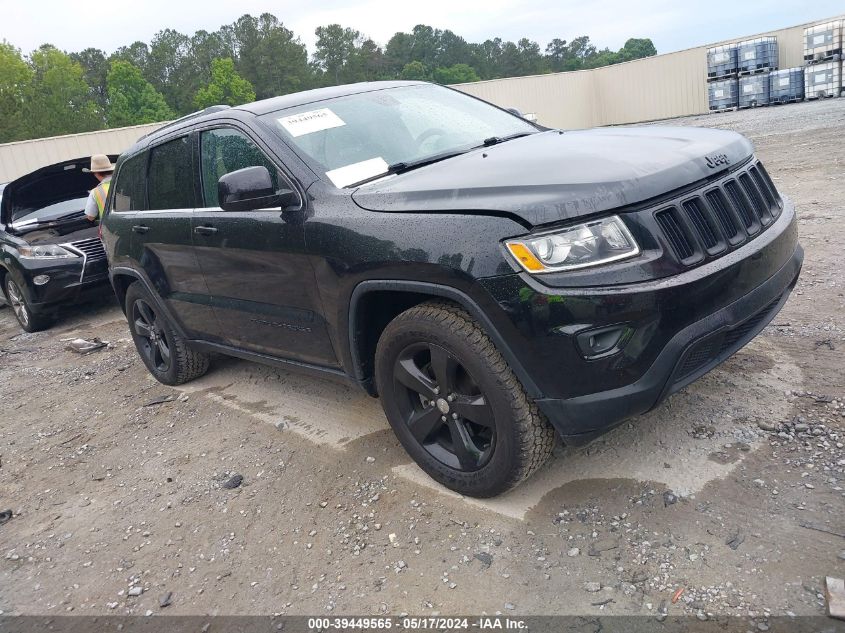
99, 163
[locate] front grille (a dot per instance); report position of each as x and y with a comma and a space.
742, 206
700, 222
720, 217
92, 247
761, 209
674, 233
719, 204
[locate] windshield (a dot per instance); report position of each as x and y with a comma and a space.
353, 138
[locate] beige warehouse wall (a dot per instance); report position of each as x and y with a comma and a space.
659, 87
17, 159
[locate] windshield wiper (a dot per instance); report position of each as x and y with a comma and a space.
403, 166
495, 140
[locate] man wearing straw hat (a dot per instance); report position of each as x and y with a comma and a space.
102, 169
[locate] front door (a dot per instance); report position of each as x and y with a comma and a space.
259, 278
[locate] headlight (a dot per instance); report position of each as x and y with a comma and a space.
588, 244
45, 251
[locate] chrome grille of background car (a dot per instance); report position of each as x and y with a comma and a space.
92, 247
719, 218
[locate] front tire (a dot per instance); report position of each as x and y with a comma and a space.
27, 319
454, 403
165, 353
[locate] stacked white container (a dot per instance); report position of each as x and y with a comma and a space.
823, 57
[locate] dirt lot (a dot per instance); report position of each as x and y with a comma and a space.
733, 490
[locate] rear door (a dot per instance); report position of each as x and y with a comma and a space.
256, 269
161, 237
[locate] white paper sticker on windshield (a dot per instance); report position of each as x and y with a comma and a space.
311, 121
343, 176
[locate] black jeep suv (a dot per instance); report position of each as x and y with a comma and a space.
51, 254
491, 280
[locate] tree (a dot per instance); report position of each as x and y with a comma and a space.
137, 54
15, 78
367, 63
455, 74
170, 71
226, 87
95, 67
58, 99
335, 48
132, 99
415, 71
270, 57
637, 48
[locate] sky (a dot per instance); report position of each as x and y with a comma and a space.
671, 24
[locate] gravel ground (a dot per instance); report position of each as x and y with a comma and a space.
254, 491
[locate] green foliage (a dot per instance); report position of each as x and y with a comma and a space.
270, 57
335, 48
132, 99
414, 71
51, 92
455, 74
226, 87
15, 77
95, 67
637, 48
58, 99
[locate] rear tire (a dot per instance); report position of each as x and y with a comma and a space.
28, 320
454, 403
165, 353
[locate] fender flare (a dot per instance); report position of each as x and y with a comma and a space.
160, 305
445, 292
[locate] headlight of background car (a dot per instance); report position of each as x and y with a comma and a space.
588, 244
45, 251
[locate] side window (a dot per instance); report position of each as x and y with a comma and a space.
226, 150
171, 176
129, 185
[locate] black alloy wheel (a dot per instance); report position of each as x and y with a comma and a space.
454, 403
166, 353
150, 329
444, 407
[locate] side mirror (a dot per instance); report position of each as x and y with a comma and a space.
515, 112
251, 188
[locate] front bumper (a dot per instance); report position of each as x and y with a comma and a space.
69, 282
683, 326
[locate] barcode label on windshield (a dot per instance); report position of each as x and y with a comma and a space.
311, 121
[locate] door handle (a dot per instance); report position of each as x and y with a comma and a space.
140, 228
205, 230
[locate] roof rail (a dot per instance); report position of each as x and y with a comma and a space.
193, 115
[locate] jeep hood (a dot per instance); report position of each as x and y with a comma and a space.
552, 176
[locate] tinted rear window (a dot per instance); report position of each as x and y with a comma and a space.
170, 177
128, 187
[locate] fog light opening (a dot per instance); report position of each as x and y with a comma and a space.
604, 341
40, 280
